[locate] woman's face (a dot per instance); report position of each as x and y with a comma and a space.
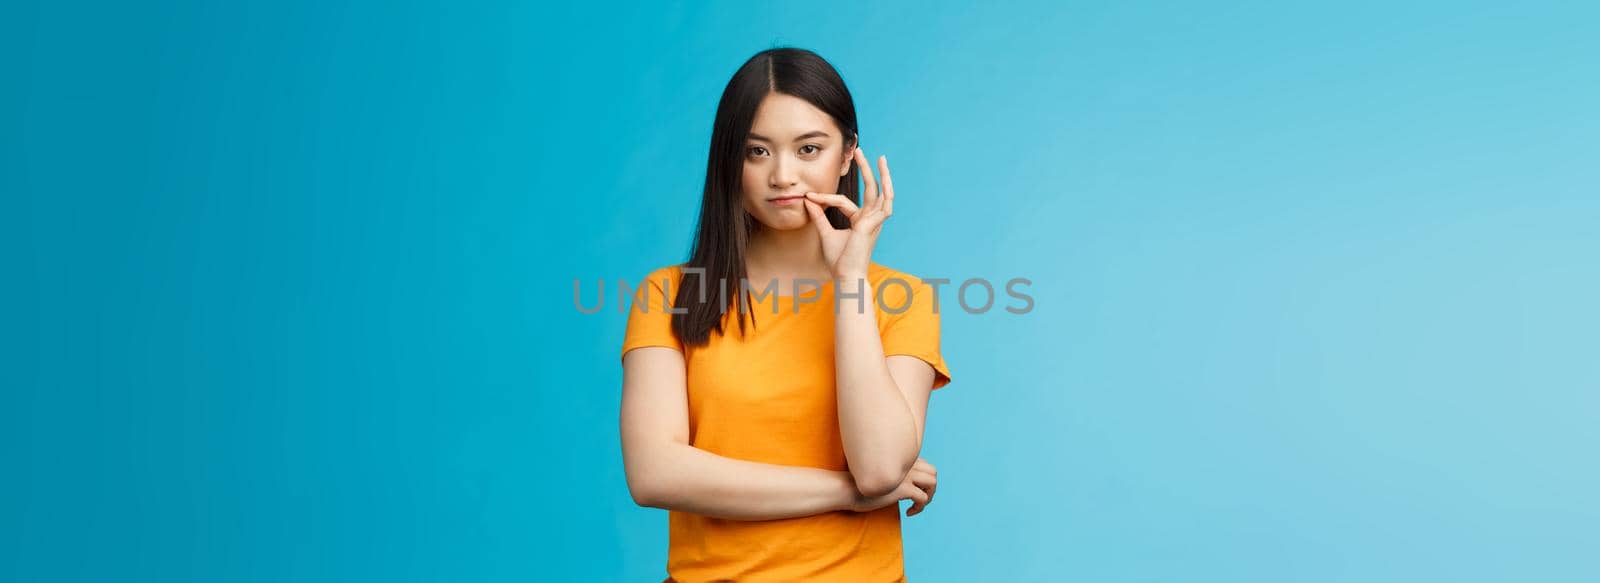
793, 148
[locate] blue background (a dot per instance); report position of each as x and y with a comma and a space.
288, 285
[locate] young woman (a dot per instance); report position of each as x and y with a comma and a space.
782, 448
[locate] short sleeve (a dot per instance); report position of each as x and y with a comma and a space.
649, 322
914, 331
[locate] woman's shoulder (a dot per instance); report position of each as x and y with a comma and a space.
672, 272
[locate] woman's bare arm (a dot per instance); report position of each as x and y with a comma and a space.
664, 471
883, 401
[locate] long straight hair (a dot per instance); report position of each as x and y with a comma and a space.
725, 227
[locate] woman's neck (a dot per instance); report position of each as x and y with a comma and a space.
783, 255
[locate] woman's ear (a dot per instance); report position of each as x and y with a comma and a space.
849, 158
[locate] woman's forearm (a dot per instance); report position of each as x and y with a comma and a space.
690, 479
875, 423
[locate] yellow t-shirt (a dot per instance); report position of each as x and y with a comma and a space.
768, 396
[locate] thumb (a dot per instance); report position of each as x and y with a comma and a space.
817, 218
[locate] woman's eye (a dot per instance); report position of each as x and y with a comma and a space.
813, 149
757, 150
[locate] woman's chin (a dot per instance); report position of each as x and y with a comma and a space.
787, 222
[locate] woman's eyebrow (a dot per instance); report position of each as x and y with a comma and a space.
814, 134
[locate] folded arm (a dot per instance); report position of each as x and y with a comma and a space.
664, 471
883, 402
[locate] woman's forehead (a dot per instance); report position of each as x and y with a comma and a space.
786, 118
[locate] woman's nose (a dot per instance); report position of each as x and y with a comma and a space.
784, 173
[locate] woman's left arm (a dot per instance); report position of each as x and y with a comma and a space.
882, 401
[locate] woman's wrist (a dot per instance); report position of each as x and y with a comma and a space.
850, 274
845, 492
853, 293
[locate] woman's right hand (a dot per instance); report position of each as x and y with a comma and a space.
918, 486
